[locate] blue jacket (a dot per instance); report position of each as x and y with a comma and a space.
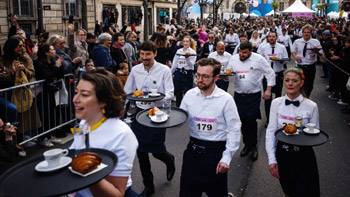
102, 57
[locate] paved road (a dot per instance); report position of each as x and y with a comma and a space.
248, 179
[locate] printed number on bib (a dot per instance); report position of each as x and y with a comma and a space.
241, 76
204, 127
205, 124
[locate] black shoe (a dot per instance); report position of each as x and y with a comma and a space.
148, 191
244, 151
170, 169
254, 154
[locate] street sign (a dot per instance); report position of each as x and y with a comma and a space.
47, 7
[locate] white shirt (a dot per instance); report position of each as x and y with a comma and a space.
223, 59
139, 78
113, 135
236, 50
232, 39
213, 118
249, 73
181, 61
281, 113
280, 51
255, 42
285, 39
310, 57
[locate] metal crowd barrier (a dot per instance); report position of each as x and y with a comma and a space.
336, 66
43, 116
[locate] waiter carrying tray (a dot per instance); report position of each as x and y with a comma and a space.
214, 128
151, 140
250, 68
276, 54
305, 51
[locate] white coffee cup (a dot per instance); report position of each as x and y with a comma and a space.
311, 126
153, 90
53, 156
159, 115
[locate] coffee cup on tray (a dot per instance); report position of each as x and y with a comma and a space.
54, 156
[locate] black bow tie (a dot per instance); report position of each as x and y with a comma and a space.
295, 103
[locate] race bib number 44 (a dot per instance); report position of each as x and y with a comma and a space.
205, 124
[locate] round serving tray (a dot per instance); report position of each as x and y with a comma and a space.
177, 117
23, 180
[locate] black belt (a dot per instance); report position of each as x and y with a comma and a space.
184, 71
247, 94
305, 65
200, 147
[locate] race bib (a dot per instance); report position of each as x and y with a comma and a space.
182, 63
205, 124
242, 75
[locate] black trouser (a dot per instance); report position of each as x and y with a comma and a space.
297, 168
309, 73
183, 81
198, 172
145, 165
277, 90
249, 132
223, 84
248, 106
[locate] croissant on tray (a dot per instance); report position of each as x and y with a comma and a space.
290, 128
137, 93
86, 162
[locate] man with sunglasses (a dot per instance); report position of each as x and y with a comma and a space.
214, 128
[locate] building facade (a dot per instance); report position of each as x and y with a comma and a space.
53, 15
50, 15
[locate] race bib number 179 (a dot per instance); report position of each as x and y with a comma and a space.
205, 124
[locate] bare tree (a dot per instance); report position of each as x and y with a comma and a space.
180, 6
216, 6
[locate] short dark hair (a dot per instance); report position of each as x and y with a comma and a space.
246, 45
272, 32
216, 65
242, 34
117, 35
108, 91
148, 46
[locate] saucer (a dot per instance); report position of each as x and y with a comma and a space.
42, 166
154, 94
163, 119
314, 132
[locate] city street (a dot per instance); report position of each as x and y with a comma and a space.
250, 179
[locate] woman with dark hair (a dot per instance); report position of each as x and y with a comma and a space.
49, 67
117, 50
18, 69
99, 104
294, 166
163, 50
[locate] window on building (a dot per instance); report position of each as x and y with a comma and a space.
227, 4
131, 14
23, 8
163, 15
281, 8
72, 8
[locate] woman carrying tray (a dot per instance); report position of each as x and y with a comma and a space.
294, 166
98, 103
